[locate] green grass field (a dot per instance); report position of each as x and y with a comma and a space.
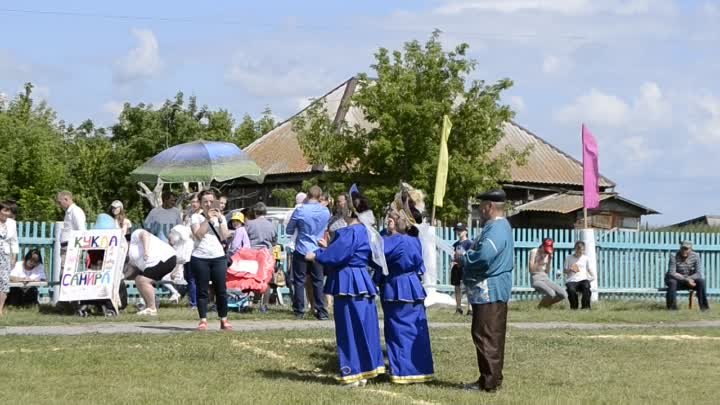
603, 312
296, 367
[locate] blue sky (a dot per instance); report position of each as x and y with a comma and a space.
641, 73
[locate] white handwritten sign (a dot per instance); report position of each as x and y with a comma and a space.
93, 266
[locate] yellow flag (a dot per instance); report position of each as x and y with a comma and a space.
442, 170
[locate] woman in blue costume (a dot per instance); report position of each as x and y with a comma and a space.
406, 328
346, 262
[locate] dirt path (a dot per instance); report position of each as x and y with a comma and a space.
244, 326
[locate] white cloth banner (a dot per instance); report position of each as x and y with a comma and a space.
93, 266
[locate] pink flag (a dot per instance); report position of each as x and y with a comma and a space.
591, 171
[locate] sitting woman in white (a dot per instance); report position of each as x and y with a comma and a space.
29, 270
578, 275
152, 259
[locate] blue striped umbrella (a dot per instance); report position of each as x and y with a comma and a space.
199, 161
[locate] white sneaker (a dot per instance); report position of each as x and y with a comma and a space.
363, 382
148, 312
355, 384
175, 298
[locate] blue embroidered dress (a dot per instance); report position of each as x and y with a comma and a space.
357, 330
407, 336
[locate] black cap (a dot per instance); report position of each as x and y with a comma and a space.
460, 227
492, 195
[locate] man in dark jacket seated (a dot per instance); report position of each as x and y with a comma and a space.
685, 273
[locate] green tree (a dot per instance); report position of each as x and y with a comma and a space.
403, 107
33, 165
249, 130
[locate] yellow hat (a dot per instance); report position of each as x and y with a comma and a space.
238, 216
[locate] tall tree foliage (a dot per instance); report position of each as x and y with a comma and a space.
33, 165
403, 106
249, 130
42, 155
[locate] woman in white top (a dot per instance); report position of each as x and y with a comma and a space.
117, 211
578, 275
153, 259
208, 262
29, 270
9, 249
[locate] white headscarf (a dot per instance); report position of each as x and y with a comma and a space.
377, 245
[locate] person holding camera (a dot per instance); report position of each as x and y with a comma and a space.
208, 262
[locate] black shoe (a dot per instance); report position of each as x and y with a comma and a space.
323, 318
299, 317
459, 311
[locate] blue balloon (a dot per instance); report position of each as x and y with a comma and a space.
105, 221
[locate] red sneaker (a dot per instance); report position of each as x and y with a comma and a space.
202, 326
225, 325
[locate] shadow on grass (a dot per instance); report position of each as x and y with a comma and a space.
297, 375
324, 362
168, 328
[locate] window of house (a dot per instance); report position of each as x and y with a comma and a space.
630, 222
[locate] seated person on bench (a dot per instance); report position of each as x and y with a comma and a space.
27, 271
685, 273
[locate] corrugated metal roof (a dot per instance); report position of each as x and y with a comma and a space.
565, 203
562, 203
278, 151
546, 164
710, 220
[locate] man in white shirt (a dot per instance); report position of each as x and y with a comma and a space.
162, 219
74, 217
578, 274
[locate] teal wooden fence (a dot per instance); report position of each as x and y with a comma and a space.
629, 263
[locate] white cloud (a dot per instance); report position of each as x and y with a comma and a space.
595, 107
649, 110
554, 64
271, 77
517, 103
638, 150
39, 93
565, 7
12, 67
710, 9
113, 108
141, 62
303, 102
705, 128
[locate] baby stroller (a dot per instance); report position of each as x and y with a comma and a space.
250, 273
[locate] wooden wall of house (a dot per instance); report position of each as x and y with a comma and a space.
243, 193
543, 220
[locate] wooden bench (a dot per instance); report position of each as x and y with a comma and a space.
28, 284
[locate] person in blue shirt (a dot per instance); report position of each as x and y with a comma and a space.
356, 318
310, 220
487, 275
407, 335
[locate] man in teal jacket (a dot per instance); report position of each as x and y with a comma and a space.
488, 278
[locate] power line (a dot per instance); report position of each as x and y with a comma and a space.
327, 28
305, 27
